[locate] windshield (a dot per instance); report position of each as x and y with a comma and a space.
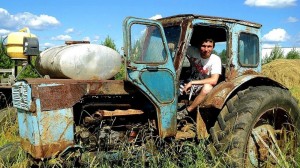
147, 44
172, 35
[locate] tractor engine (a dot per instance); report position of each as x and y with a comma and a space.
113, 123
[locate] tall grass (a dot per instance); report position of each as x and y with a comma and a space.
171, 155
295, 90
11, 154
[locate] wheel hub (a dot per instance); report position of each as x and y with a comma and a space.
259, 145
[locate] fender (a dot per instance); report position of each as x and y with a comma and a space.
221, 93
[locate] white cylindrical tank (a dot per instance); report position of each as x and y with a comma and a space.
79, 61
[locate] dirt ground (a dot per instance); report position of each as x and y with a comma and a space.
285, 71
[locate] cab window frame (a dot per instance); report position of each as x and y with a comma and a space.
243, 56
131, 58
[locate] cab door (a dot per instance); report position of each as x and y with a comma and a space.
150, 67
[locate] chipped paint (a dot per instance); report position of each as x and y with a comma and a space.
218, 96
46, 133
61, 93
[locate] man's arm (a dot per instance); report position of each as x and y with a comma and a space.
213, 80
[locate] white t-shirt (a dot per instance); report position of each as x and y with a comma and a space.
203, 68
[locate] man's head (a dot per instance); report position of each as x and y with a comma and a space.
206, 47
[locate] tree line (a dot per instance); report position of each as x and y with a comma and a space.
277, 53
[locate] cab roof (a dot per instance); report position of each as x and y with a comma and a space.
181, 17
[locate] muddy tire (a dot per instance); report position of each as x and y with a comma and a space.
257, 128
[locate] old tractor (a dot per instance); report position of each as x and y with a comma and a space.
245, 116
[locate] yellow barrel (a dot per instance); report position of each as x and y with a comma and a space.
14, 44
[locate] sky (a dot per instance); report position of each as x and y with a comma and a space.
55, 21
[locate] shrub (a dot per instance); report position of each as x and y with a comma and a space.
276, 53
293, 54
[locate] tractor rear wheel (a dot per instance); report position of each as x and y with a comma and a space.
258, 128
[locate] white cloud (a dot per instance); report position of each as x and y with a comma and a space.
271, 3
61, 37
86, 39
96, 39
266, 45
4, 32
158, 16
47, 45
26, 19
69, 30
276, 35
292, 19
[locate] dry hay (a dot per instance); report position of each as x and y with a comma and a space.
285, 71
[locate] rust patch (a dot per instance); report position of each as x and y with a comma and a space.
172, 125
61, 96
250, 72
179, 57
76, 42
231, 74
109, 87
217, 96
32, 106
201, 127
52, 124
45, 151
106, 113
171, 131
64, 93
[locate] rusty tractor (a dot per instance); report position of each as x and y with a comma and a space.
244, 116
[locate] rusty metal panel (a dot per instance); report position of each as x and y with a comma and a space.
59, 96
44, 151
218, 96
201, 126
64, 93
46, 133
110, 87
186, 27
210, 18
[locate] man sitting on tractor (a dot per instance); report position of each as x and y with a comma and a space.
208, 68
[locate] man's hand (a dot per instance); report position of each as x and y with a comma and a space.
187, 87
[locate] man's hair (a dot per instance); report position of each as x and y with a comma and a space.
206, 40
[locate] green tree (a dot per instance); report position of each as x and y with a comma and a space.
223, 56
5, 61
29, 71
108, 42
276, 53
293, 54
